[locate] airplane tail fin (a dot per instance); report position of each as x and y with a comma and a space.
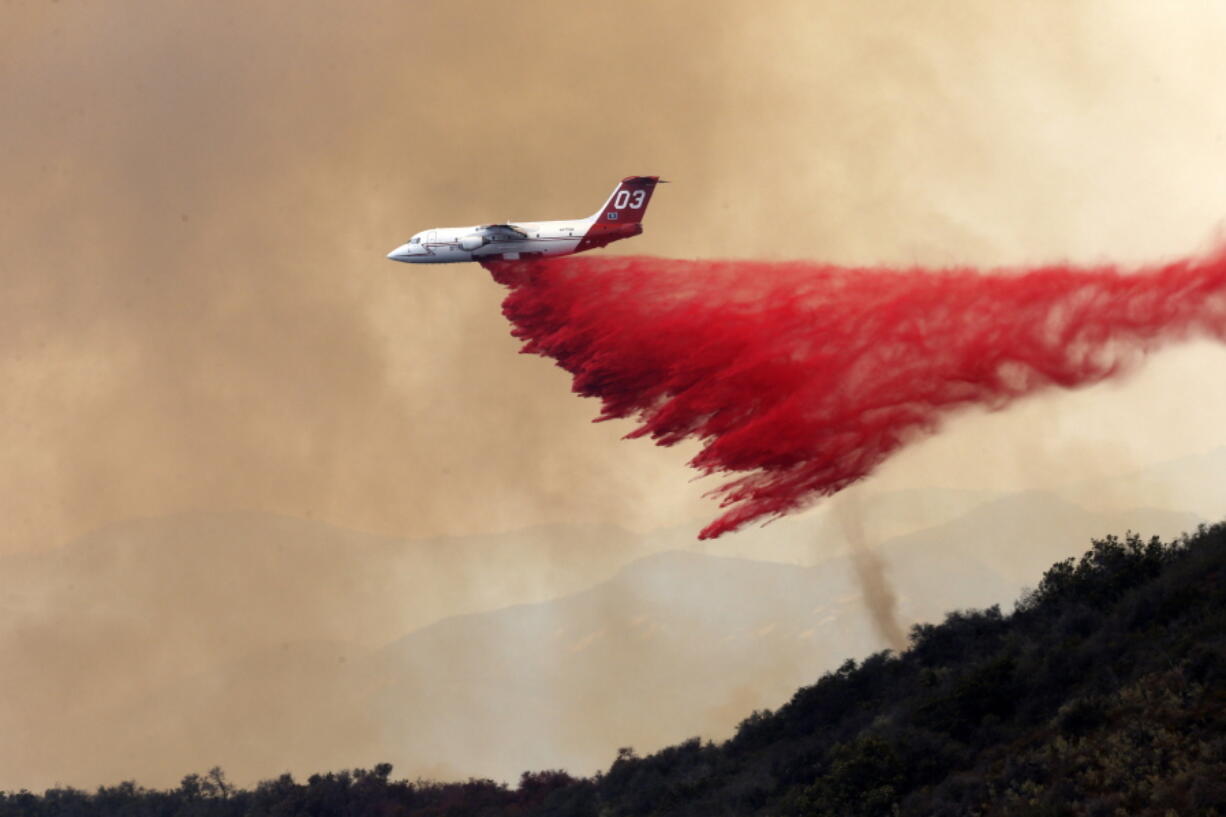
622, 214
629, 200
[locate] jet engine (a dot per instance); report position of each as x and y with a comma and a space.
473, 241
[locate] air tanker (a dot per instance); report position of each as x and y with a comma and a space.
620, 217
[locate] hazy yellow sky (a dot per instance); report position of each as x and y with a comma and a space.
197, 313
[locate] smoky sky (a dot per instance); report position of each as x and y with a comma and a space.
199, 311
196, 315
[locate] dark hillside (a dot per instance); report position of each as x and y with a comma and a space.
1103, 693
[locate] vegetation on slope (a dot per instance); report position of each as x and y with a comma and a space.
1103, 693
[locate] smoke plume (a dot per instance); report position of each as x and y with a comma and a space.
799, 378
879, 595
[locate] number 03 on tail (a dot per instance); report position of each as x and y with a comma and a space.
620, 217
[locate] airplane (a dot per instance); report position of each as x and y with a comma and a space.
620, 217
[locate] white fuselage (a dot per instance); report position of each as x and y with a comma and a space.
446, 245
620, 217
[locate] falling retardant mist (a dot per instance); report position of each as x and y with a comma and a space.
799, 378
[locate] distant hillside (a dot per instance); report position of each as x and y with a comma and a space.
156, 644
674, 644
213, 638
680, 644
1190, 483
1014, 539
1103, 693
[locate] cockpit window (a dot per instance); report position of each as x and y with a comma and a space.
416, 240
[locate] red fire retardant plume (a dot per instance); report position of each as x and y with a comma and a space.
801, 378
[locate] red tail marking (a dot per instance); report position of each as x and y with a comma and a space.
622, 215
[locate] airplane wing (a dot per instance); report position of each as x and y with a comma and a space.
502, 232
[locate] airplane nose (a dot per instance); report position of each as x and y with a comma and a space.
401, 253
